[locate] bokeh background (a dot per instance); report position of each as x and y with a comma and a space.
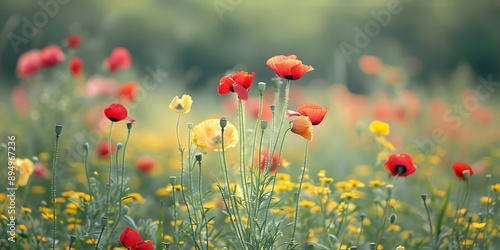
439, 50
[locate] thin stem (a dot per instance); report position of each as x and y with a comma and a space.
53, 187
424, 198
304, 166
243, 175
122, 177
109, 169
386, 209
99, 239
86, 146
285, 106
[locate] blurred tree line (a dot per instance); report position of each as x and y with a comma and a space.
197, 41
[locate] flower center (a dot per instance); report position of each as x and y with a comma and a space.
400, 169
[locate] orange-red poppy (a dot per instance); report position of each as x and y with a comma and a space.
132, 240
370, 65
400, 165
288, 67
117, 112
29, 63
128, 91
239, 83
315, 112
462, 170
73, 41
145, 163
273, 163
119, 59
302, 126
75, 66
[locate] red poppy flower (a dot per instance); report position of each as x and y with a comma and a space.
400, 165
315, 112
461, 169
73, 41
75, 66
145, 163
119, 59
128, 91
117, 112
288, 67
263, 164
103, 149
51, 56
20, 100
239, 82
130, 238
144, 245
302, 126
40, 170
29, 63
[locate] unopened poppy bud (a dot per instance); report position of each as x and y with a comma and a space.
35, 159
392, 219
125, 209
58, 129
198, 157
353, 248
272, 107
104, 221
129, 125
96, 173
424, 197
373, 245
72, 239
119, 146
262, 87
276, 82
86, 146
190, 125
43, 203
173, 180
263, 124
466, 174
488, 177
223, 122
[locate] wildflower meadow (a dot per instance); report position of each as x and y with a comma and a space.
112, 157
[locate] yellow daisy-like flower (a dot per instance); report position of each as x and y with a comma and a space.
379, 127
24, 169
181, 105
91, 241
26, 210
208, 135
377, 183
133, 197
400, 247
478, 225
349, 195
495, 187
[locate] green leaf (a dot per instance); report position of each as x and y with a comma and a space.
159, 230
442, 214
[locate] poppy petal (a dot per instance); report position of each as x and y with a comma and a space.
241, 91
129, 238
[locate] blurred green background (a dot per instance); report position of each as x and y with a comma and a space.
197, 41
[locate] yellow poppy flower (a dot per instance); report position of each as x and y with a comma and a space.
181, 105
208, 135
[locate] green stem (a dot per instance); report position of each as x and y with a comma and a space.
384, 215
430, 222
109, 169
53, 188
304, 166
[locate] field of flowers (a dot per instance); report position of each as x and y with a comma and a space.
118, 160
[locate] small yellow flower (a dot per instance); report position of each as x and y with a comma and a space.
322, 173
178, 187
38, 190
495, 187
379, 127
133, 197
96, 173
343, 185
168, 238
60, 200
44, 156
467, 242
181, 105
26, 210
349, 195
306, 203
326, 180
41, 238
485, 199
478, 225
394, 228
377, 183
356, 183
91, 241
400, 247
208, 135
22, 227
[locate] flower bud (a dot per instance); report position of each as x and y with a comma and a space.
119, 146
104, 221
86, 146
72, 239
173, 180
276, 82
58, 129
263, 124
198, 157
262, 87
223, 122
424, 197
129, 125
190, 125
272, 107
393, 218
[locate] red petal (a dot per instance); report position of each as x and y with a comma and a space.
145, 245
130, 238
241, 91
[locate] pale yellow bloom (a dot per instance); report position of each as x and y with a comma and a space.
181, 105
379, 127
24, 169
208, 135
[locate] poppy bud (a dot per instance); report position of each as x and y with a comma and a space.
223, 122
262, 87
58, 129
